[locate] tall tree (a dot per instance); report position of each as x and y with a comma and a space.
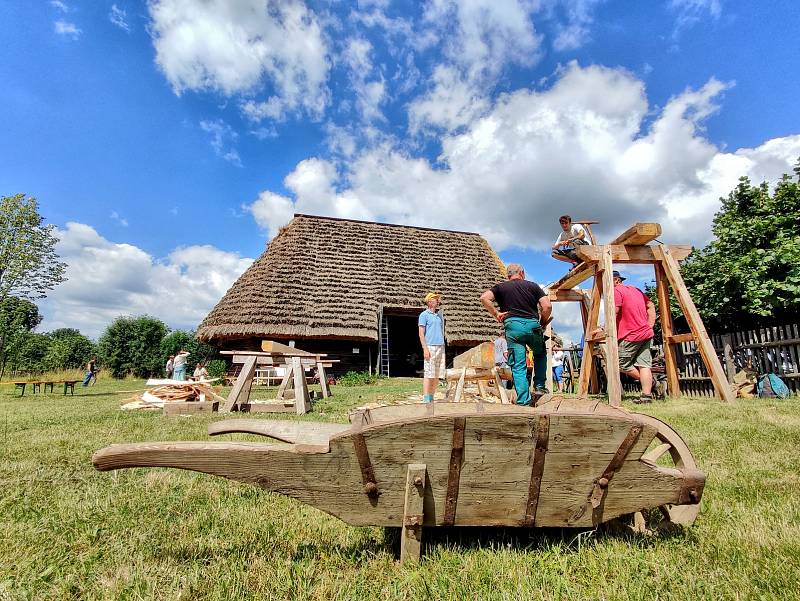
29, 265
131, 345
68, 349
750, 273
18, 317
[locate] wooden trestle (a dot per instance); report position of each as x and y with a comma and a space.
632, 247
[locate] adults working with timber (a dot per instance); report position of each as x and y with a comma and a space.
572, 234
524, 310
431, 337
636, 315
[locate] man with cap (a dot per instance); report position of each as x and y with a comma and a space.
636, 315
431, 337
524, 310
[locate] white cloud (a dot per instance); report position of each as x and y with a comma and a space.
107, 279
119, 17
222, 136
67, 29
241, 47
369, 88
59, 5
690, 12
271, 211
451, 103
583, 147
121, 220
575, 31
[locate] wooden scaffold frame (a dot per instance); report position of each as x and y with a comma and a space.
632, 247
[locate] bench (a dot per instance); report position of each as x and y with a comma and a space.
22, 386
68, 384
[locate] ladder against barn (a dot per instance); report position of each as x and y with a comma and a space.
633, 247
383, 344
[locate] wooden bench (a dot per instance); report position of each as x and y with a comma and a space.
68, 384
21, 385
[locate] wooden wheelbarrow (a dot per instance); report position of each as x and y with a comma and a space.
567, 463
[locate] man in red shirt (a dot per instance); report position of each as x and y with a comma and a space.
636, 315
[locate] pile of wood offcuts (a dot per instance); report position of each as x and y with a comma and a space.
176, 397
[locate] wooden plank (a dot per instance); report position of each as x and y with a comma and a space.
472, 374
272, 347
460, 385
240, 393
670, 356
707, 351
573, 277
537, 469
502, 392
413, 515
454, 471
279, 360
630, 254
295, 353
302, 403
612, 350
190, 407
678, 338
318, 433
638, 233
548, 332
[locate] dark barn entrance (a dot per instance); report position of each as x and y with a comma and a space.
405, 352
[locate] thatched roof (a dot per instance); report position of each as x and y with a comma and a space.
327, 278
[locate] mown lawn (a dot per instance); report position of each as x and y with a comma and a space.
70, 532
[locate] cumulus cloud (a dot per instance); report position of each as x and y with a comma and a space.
119, 17
67, 29
107, 279
575, 30
242, 47
590, 145
369, 87
59, 5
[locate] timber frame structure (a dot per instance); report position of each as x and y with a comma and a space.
632, 247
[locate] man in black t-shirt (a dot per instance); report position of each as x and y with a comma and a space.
524, 310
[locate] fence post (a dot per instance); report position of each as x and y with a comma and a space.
727, 353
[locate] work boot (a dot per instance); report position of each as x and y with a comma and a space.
643, 399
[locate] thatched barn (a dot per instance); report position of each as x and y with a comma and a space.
353, 289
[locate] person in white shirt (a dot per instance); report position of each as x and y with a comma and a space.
572, 234
558, 367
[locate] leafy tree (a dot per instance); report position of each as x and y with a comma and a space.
182, 339
68, 349
18, 317
131, 345
29, 354
29, 265
750, 274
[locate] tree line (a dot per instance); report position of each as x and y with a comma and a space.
137, 346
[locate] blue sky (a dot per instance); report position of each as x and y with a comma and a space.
168, 140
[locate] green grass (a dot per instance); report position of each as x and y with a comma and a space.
70, 532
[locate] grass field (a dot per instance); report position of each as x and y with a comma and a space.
70, 532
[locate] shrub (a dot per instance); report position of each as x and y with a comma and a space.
358, 378
216, 368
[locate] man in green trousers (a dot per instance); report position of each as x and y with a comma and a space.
525, 310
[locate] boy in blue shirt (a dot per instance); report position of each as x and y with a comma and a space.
431, 337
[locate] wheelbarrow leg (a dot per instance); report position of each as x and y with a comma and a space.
411, 533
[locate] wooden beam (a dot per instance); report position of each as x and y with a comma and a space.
281, 360
612, 350
413, 516
240, 393
296, 353
670, 356
302, 404
573, 277
638, 233
565, 295
548, 382
323, 379
704, 345
631, 254
288, 378
678, 338
587, 361
270, 346
481, 355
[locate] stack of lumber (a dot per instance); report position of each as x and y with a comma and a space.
177, 397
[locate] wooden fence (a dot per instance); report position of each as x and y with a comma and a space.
773, 349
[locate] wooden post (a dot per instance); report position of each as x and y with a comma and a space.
302, 404
670, 357
240, 393
460, 386
323, 380
548, 331
587, 362
707, 352
413, 516
612, 350
286, 382
727, 353
501, 386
